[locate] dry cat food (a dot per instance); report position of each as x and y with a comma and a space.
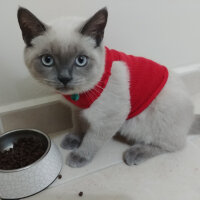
24, 152
59, 176
80, 194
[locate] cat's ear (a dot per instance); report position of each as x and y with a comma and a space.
30, 25
95, 26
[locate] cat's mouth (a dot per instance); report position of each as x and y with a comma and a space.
65, 89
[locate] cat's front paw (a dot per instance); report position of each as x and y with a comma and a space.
77, 159
70, 141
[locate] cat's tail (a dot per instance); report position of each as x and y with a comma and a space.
195, 128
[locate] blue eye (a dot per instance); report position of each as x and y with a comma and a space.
81, 61
47, 60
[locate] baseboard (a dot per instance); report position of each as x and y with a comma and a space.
29, 103
49, 117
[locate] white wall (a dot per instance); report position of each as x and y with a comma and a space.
167, 31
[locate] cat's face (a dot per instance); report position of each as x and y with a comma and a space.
66, 55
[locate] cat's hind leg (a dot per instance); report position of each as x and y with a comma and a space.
163, 126
141, 152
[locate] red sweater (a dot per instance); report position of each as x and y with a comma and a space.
146, 79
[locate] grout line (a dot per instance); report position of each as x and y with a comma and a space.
88, 173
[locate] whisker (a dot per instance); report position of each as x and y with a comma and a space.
50, 80
100, 87
77, 82
51, 83
94, 93
87, 95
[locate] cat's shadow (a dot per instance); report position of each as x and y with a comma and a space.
119, 138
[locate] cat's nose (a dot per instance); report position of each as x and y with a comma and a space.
64, 80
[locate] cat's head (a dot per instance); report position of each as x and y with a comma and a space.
68, 54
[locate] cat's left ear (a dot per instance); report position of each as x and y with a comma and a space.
95, 26
30, 25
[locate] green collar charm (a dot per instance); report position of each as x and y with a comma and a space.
75, 97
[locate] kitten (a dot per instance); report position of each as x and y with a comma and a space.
69, 56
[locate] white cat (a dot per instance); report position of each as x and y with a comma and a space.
69, 56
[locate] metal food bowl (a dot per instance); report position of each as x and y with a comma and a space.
33, 178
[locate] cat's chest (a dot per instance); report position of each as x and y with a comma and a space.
116, 92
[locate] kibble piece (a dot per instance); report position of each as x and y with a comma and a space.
59, 176
80, 194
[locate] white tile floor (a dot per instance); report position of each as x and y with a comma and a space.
174, 176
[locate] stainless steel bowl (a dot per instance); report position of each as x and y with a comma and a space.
31, 179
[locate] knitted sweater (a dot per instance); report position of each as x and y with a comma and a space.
146, 80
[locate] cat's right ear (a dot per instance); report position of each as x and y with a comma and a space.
30, 25
95, 26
